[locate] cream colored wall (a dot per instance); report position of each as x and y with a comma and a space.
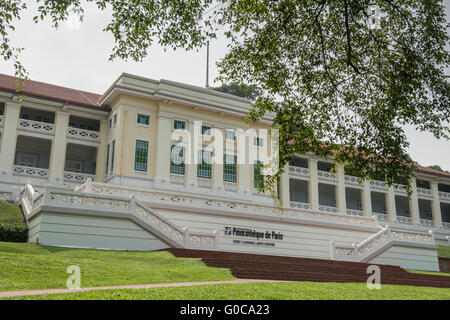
127, 131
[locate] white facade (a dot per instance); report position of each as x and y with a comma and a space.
108, 155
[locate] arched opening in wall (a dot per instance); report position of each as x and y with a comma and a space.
378, 200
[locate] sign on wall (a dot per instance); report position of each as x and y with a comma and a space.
255, 237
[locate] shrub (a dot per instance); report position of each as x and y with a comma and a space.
11, 233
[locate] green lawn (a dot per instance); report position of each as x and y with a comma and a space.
262, 291
25, 266
11, 215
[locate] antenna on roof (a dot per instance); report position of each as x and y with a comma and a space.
207, 64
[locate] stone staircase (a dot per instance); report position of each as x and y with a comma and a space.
255, 266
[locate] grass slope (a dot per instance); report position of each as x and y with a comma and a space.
26, 266
444, 251
262, 291
11, 215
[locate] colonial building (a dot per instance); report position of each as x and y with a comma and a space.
96, 171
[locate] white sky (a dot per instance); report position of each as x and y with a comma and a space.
77, 57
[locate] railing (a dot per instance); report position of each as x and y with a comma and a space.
381, 217
424, 193
352, 180
299, 205
37, 126
328, 209
376, 184
161, 226
77, 177
206, 203
30, 171
325, 175
404, 220
365, 250
83, 134
299, 171
401, 189
352, 212
446, 225
445, 196
426, 223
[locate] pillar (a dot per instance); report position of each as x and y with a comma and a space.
367, 198
390, 202
284, 187
436, 205
101, 151
59, 145
414, 203
9, 137
342, 203
314, 185
163, 149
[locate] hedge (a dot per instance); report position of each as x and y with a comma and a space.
10, 233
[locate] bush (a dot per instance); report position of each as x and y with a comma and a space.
11, 233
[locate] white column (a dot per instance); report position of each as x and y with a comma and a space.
367, 199
284, 187
192, 156
59, 145
101, 151
313, 185
163, 149
436, 205
390, 201
414, 203
9, 137
217, 168
342, 203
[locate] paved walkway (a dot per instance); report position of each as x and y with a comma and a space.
8, 294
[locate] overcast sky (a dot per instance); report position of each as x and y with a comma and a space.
76, 56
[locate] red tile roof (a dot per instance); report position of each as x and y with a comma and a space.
433, 171
52, 92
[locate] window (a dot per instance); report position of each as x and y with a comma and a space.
206, 131
74, 166
230, 135
107, 159
141, 156
27, 160
114, 119
178, 124
113, 147
143, 119
110, 123
229, 168
258, 178
204, 165
258, 142
177, 160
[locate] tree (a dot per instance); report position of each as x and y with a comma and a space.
249, 92
339, 79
